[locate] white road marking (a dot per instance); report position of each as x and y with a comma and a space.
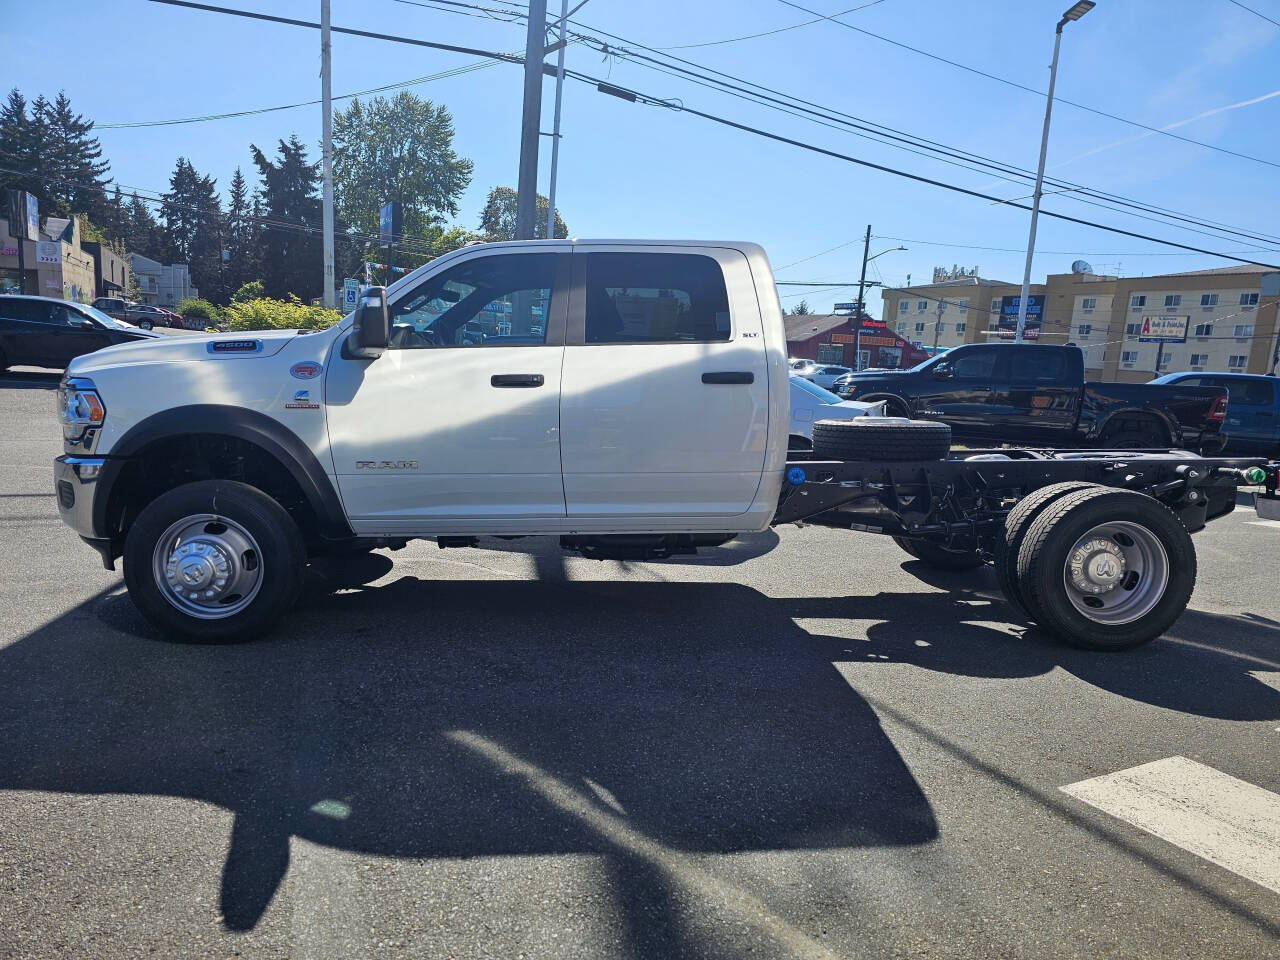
1263, 523
1225, 820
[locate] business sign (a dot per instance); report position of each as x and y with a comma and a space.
33, 217
389, 222
1008, 324
48, 251
1164, 329
24, 215
350, 293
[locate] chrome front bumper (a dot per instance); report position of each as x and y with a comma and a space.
75, 481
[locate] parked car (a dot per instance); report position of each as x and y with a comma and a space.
1036, 394
146, 316
825, 376
810, 402
116, 307
1253, 408
44, 332
799, 365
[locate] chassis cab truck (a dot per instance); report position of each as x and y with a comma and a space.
629, 398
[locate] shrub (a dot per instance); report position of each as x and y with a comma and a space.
249, 291
264, 313
198, 308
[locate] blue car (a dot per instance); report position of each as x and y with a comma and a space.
1253, 409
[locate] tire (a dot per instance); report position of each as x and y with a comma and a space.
798, 444
939, 557
1016, 525
1137, 439
1159, 557
145, 324
258, 549
4, 361
882, 439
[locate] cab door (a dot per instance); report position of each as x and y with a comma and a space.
665, 408
1043, 397
968, 389
456, 426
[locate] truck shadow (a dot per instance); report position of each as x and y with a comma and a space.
649, 722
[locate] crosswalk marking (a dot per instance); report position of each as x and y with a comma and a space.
1213, 815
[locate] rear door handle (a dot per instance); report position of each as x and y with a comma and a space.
729, 376
516, 380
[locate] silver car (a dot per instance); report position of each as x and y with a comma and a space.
810, 402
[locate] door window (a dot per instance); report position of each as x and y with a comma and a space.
1037, 365
1241, 391
975, 365
498, 301
655, 298
29, 311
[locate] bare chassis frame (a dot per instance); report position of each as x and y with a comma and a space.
961, 502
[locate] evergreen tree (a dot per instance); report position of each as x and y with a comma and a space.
115, 224
192, 216
21, 135
74, 161
241, 235
291, 251
142, 234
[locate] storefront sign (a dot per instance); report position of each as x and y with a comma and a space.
1164, 329
48, 252
1009, 317
8, 251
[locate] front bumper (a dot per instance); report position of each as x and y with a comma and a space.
75, 482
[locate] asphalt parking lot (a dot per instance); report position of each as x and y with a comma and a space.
806, 745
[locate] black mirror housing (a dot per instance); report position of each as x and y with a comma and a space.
372, 324
943, 371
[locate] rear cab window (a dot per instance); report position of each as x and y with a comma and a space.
655, 298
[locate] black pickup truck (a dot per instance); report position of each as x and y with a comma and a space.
1036, 395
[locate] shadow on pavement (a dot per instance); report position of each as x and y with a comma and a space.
29, 380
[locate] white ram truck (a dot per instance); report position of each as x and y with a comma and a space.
628, 397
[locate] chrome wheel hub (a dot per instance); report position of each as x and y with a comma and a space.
1116, 573
208, 566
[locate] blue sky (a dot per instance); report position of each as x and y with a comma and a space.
629, 170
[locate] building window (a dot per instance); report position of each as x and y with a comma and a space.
1085, 329
1248, 299
1128, 357
1242, 330
922, 306
995, 305
902, 306
1165, 360
1173, 300
1199, 361
1208, 300
919, 328
960, 327
1132, 329
1204, 329
1137, 301
1237, 361
1088, 304
964, 306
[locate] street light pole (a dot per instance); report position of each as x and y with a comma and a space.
862, 286
1075, 13
555, 127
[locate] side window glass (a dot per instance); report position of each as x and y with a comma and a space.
492, 301
975, 365
61, 316
1037, 365
655, 298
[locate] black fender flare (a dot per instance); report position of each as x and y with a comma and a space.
891, 397
249, 425
1170, 425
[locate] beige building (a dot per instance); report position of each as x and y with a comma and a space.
1230, 316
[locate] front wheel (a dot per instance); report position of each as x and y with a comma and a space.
1106, 569
214, 562
145, 324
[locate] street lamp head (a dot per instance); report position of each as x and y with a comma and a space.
1077, 11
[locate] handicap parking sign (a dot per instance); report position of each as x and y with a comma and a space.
350, 293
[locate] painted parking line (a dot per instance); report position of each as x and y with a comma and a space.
1225, 820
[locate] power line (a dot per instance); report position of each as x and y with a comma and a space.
1061, 253
1255, 12
766, 33
1040, 93
918, 178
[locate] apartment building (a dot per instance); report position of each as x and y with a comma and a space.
1229, 313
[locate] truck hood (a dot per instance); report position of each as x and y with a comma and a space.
186, 349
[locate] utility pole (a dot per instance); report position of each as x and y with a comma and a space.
326, 71
862, 286
1077, 11
555, 128
937, 326
527, 185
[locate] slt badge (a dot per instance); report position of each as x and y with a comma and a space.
302, 401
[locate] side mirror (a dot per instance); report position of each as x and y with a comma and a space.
943, 371
372, 325
87, 324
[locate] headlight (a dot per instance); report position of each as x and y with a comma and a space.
80, 409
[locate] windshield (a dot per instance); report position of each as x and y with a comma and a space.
809, 387
104, 319
925, 363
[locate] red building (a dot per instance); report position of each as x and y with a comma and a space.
836, 338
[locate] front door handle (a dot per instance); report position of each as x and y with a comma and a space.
729, 376
516, 380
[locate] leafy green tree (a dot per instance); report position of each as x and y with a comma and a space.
248, 291
498, 221
396, 149
291, 256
